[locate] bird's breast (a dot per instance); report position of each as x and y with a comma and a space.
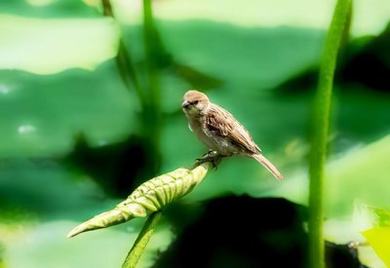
208, 138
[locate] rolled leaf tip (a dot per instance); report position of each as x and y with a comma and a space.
148, 198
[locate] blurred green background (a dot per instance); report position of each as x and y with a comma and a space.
75, 140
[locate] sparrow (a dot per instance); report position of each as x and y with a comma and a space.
220, 131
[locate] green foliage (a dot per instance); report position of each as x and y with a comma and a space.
379, 239
2, 265
61, 110
44, 245
378, 234
382, 216
344, 179
28, 39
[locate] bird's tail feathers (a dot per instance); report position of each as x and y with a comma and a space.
268, 165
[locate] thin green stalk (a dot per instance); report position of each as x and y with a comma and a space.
142, 240
127, 71
124, 60
152, 46
148, 94
107, 8
153, 113
321, 131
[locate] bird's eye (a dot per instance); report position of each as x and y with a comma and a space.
195, 102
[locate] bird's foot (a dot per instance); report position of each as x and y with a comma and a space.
211, 156
209, 153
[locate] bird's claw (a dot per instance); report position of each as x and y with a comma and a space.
211, 156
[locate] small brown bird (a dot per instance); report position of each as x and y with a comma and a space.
220, 131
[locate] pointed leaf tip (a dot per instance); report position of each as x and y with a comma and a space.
75, 231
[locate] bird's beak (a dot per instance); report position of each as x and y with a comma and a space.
185, 104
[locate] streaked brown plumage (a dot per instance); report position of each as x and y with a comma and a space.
220, 131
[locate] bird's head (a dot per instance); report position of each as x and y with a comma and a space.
195, 102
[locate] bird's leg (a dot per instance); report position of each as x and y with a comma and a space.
211, 156
205, 154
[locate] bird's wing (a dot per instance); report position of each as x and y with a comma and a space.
222, 124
